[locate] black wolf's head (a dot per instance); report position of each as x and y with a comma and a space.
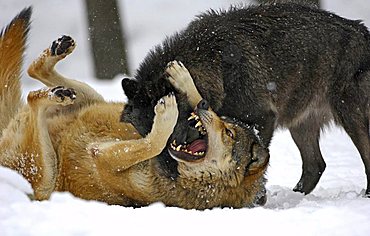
139, 110
143, 96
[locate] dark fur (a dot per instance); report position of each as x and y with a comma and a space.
283, 65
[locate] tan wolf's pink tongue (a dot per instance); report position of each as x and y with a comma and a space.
198, 145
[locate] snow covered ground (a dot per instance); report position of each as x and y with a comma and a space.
334, 208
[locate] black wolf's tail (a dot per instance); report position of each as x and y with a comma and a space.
12, 45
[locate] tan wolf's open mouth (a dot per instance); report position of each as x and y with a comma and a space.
194, 150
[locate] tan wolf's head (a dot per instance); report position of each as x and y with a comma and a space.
225, 150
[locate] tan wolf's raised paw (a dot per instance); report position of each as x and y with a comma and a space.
166, 113
63, 96
63, 46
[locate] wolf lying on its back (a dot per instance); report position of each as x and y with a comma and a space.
275, 65
71, 140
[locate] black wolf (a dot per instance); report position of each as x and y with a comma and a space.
286, 65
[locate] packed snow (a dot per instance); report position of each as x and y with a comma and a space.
335, 207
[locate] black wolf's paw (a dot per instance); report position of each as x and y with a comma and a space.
62, 46
62, 96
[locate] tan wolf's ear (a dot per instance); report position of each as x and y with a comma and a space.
130, 87
260, 158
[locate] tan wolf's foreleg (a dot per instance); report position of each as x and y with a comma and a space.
26, 145
180, 78
124, 154
43, 69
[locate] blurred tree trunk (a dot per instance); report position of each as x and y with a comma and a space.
315, 2
107, 39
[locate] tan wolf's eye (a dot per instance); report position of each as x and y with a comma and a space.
229, 133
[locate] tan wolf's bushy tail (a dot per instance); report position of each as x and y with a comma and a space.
12, 46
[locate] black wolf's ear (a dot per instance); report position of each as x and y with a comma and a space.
130, 87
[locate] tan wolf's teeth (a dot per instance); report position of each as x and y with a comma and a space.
199, 124
178, 148
203, 131
193, 116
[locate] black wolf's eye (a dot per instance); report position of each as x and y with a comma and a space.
229, 133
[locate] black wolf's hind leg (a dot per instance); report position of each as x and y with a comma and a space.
306, 136
351, 112
265, 125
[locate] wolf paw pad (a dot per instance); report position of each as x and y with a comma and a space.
62, 46
63, 96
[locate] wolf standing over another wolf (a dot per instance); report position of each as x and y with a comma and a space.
268, 66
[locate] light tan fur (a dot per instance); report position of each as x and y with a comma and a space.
37, 139
11, 55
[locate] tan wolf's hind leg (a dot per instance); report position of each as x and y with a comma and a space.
43, 69
26, 145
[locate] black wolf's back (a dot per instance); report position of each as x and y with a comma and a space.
267, 49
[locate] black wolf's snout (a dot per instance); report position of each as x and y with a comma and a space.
203, 104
